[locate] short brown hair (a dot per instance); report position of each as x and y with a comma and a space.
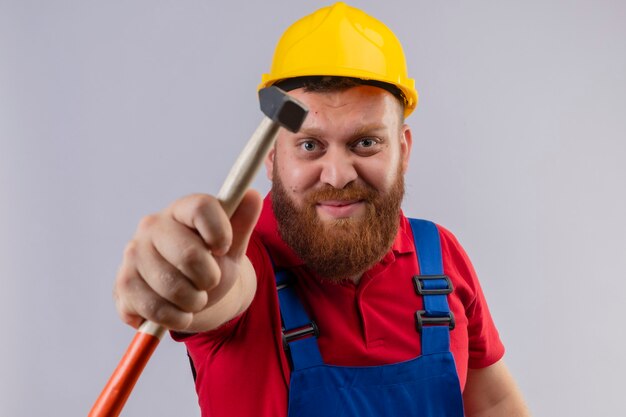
326, 83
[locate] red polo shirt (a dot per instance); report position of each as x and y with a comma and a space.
241, 366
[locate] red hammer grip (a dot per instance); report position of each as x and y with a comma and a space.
116, 392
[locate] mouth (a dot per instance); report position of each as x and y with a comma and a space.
340, 209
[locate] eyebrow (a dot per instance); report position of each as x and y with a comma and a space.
359, 131
369, 129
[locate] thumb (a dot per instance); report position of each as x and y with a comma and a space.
243, 221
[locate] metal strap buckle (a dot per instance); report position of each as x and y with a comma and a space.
419, 286
300, 333
422, 318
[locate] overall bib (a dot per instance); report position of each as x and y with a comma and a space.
426, 386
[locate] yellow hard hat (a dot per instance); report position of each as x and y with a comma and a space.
341, 40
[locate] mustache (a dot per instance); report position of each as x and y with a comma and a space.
350, 192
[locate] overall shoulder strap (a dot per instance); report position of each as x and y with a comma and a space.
428, 246
436, 320
299, 331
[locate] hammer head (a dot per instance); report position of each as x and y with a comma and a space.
281, 108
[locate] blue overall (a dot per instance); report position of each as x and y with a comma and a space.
426, 386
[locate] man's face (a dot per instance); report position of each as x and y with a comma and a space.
338, 183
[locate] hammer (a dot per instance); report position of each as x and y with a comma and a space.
280, 109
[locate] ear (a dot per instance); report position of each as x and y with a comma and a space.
269, 163
406, 144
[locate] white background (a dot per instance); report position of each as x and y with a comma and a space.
109, 110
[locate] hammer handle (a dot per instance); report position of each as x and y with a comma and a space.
117, 390
247, 164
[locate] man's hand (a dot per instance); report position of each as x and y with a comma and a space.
185, 268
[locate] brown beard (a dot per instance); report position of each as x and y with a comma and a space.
344, 248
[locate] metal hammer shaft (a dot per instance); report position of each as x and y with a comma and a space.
280, 110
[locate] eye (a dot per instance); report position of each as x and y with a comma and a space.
309, 148
367, 146
308, 145
366, 143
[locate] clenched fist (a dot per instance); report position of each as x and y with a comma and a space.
185, 268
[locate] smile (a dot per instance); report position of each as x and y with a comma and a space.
339, 209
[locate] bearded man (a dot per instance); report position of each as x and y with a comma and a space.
324, 299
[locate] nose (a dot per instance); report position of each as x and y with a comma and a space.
338, 169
